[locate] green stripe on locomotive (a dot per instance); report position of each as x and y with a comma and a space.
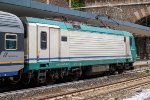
69, 64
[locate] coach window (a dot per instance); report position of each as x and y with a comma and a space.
10, 41
43, 40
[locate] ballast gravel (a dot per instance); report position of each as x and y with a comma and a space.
39, 92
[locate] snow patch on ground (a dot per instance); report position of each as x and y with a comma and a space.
140, 96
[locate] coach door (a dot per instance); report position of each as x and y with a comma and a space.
43, 44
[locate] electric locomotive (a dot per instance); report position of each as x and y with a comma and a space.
61, 49
55, 49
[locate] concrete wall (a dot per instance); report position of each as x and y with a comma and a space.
128, 10
128, 13
104, 2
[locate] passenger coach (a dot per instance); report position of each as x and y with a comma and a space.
11, 45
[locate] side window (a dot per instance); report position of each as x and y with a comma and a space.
10, 41
124, 39
43, 40
64, 38
130, 41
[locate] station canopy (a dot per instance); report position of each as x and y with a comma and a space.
29, 8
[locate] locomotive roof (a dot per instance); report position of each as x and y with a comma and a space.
79, 27
10, 23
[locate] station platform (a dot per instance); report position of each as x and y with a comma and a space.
142, 63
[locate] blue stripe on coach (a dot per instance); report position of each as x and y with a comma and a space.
11, 64
58, 58
8, 73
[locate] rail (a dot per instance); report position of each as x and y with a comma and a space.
102, 90
74, 88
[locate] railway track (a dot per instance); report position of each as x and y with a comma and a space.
121, 86
69, 89
95, 91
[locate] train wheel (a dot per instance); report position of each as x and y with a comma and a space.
107, 73
50, 78
26, 80
120, 71
15, 79
75, 74
112, 70
50, 81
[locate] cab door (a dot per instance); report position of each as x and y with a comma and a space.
54, 44
127, 42
43, 44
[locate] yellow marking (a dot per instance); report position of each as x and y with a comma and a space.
11, 62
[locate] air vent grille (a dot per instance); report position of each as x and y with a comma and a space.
76, 27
